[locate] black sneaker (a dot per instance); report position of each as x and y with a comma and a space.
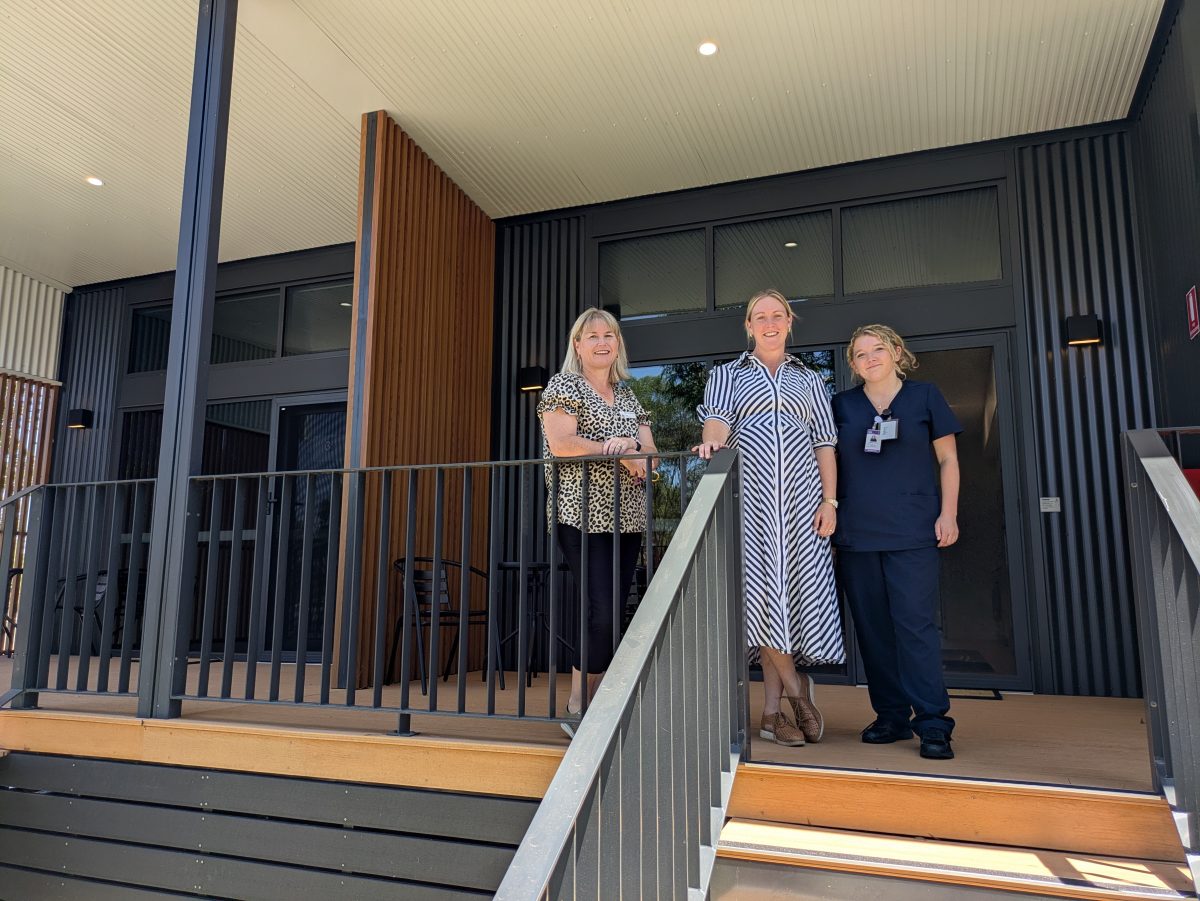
884, 733
935, 744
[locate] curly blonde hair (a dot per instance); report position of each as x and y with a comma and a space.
906, 363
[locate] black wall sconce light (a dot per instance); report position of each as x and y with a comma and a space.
79, 419
1084, 329
532, 378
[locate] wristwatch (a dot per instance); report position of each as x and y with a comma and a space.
637, 445
832, 501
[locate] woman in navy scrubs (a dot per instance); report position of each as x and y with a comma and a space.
898, 495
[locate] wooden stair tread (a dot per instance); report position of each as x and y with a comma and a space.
1015, 869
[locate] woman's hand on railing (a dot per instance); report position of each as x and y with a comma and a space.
705, 449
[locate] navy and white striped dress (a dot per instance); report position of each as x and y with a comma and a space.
776, 422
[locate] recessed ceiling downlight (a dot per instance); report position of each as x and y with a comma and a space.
789, 244
95, 182
708, 48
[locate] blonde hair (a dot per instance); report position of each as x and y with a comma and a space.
571, 362
906, 363
772, 294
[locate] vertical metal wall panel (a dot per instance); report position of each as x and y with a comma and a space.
1079, 250
540, 272
1168, 168
91, 369
30, 325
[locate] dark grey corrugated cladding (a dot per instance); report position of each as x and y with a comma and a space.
91, 370
1080, 256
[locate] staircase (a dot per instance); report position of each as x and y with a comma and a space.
800, 834
76, 827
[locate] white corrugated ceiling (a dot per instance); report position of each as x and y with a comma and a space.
527, 104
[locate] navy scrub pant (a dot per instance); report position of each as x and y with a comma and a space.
893, 596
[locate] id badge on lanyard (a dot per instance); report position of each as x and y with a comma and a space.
884, 428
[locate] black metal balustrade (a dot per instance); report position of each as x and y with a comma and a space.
81, 581
635, 809
1164, 543
349, 588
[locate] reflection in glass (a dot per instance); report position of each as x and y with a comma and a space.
237, 437
245, 327
793, 254
670, 393
938, 239
976, 599
317, 318
655, 275
149, 339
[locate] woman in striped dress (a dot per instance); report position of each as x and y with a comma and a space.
775, 411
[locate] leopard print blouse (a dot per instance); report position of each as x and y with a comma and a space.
597, 421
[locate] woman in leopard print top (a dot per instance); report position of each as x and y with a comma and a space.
587, 410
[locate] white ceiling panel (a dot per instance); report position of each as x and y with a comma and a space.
527, 104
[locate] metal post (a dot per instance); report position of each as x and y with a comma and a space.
172, 556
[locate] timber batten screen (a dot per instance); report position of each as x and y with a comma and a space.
421, 340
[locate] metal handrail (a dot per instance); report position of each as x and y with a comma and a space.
1164, 525
636, 806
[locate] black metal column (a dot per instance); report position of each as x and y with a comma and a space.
169, 581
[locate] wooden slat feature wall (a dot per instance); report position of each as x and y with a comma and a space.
27, 408
420, 352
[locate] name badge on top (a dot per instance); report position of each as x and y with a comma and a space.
889, 429
874, 442
627, 414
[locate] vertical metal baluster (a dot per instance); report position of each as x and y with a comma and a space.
409, 619
143, 507
281, 584
552, 594
233, 594
332, 549
212, 585
98, 497
306, 564
618, 608
494, 657
649, 523
353, 597
59, 523
523, 507
383, 564
8, 541
586, 490
71, 587
464, 589
258, 582
437, 575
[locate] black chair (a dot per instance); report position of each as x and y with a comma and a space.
430, 588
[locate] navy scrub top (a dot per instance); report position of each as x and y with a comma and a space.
889, 501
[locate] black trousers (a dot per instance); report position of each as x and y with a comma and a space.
893, 596
602, 606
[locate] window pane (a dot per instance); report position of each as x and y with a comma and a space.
941, 239
245, 327
822, 363
237, 437
653, 276
317, 318
149, 338
793, 254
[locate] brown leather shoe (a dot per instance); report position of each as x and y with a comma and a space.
808, 715
778, 728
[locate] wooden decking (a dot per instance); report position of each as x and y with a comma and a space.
1044, 739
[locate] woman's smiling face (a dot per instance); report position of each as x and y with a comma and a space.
769, 324
597, 345
872, 359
